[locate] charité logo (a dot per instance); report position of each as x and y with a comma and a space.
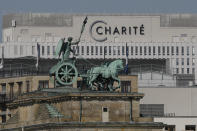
99, 30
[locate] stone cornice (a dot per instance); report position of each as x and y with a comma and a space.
111, 125
48, 97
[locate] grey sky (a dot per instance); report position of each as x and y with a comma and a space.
98, 6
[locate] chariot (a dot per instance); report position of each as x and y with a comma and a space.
65, 72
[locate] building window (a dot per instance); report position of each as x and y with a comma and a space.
82, 50
96, 50
172, 50
136, 50
159, 50
33, 50
48, 50
118, 50
53, 50
193, 51
187, 50
123, 50
182, 61
42, 50
78, 50
149, 50
187, 61
177, 70
74, 49
87, 52
125, 86
151, 110
101, 50
131, 50
105, 109
193, 61
190, 127
154, 50
170, 128
20, 88
182, 50
177, 61
21, 50
187, 70
127, 50
182, 70
177, 50
27, 86
43, 84
114, 50
109, 50
168, 50
15, 50
105, 50
163, 50
145, 50
92, 50
140, 50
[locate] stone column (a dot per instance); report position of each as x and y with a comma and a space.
194, 48
195, 75
135, 108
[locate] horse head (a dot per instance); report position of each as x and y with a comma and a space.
120, 64
117, 64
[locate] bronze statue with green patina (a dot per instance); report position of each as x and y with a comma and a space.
65, 71
63, 48
97, 78
103, 77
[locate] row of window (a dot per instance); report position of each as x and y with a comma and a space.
42, 84
187, 61
116, 50
187, 128
182, 71
135, 50
43, 50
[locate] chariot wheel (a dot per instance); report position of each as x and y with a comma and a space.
66, 74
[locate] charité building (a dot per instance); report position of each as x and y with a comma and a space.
31, 100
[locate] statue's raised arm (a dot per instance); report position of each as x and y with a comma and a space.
75, 43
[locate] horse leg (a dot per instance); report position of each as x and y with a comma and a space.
92, 80
110, 86
118, 80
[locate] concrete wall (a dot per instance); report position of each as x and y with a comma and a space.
45, 23
181, 101
155, 79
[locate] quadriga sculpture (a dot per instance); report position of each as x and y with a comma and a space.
104, 76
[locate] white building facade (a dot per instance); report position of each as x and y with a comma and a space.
179, 105
156, 37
